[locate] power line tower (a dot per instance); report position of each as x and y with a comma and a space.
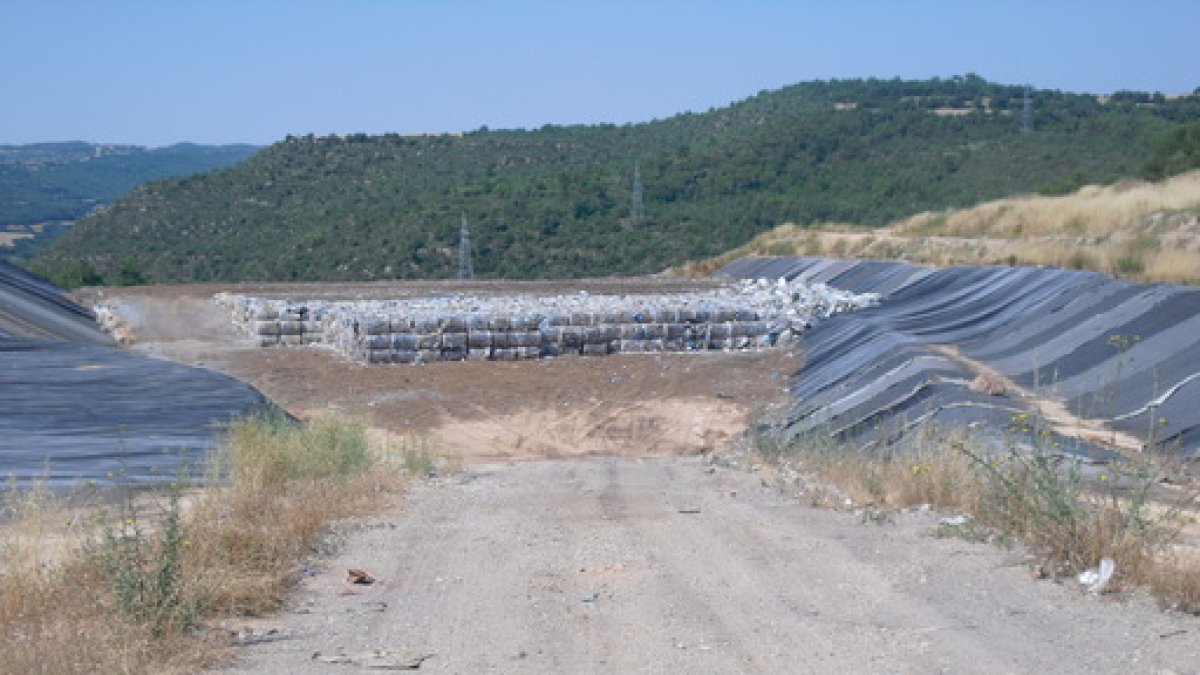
465, 269
1027, 113
636, 210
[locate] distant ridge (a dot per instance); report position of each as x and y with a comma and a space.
46, 186
555, 202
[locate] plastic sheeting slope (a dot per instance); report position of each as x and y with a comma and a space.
74, 407
1124, 353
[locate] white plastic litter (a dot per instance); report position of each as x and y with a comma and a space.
1096, 578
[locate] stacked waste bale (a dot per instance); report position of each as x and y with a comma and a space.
752, 315
291, 327
276, 322
480, 337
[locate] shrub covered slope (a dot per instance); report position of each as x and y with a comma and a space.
559, 201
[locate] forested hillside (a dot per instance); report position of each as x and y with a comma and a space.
43, 185
560, 201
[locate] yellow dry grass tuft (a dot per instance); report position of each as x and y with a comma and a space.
1020, 494
133, 590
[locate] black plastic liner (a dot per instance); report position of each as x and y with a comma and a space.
71, 412
74, 408
1127, 354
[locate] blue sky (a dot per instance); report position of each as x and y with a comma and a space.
156, 72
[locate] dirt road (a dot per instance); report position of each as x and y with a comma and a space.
658, 566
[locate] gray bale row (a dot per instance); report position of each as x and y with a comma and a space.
380, 351
682, 337
457, 327
466, 323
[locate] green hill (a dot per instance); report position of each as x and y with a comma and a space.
557, 201
45, 186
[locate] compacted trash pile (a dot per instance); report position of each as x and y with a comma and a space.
753, 314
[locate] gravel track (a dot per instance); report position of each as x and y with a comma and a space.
658, 566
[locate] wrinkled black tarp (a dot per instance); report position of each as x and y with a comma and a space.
73, 407
1125, 353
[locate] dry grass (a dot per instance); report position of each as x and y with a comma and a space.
124, 592
1091, 211
1018, 494
925, 472
1142, 231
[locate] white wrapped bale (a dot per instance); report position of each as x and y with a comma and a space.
527, 339
404, 341
719, 331
631, 331
291, 327
266, 328
454, 341
377, 342
631, 346
425, 325
453, 324
666, 315
573, 337
480, 339
376, 326
526, 322
595, 335
594, 349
